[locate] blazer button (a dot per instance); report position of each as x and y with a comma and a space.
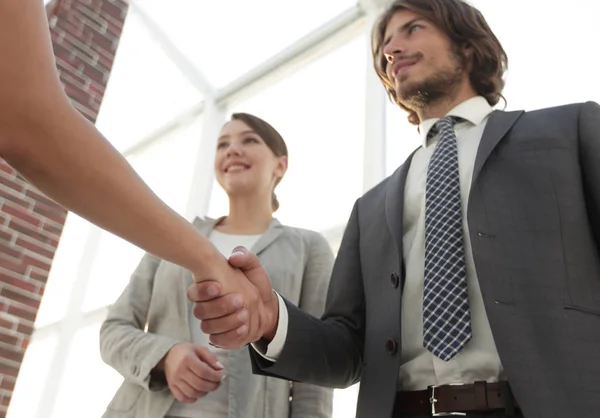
391, 346
395, 280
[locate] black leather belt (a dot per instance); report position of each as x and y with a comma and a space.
459, 399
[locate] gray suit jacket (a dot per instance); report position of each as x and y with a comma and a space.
534, 221
299, 263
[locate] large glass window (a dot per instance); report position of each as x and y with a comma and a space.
402, 137
74, 244
551, 62
145, 91
87, 384
33, 378
228, 38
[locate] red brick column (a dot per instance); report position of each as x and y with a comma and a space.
85, 35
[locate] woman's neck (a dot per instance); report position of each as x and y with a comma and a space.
248, 215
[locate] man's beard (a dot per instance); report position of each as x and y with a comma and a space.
437, 87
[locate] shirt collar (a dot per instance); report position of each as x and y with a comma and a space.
474, 110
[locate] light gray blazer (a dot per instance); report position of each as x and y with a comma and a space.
299, 263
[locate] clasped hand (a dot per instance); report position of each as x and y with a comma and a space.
245, 312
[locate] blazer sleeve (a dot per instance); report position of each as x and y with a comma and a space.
310, 401
124, 345
327, 352
589, 155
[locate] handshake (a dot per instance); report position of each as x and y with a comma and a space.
238, 309
241, 307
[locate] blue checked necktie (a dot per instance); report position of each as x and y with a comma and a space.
446, 316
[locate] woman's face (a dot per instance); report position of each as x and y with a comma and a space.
244, 164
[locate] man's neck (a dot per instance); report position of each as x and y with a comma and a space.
440, 108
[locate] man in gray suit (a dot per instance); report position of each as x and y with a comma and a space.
468, 281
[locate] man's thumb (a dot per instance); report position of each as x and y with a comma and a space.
243, 259
249, 264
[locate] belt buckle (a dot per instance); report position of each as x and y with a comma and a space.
433, 400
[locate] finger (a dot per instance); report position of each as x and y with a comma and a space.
219, 307
242, 258
199, 384
201, 370
187, 389
249, 264
208, 357
178, 394
230, 340
203, 291
225, 323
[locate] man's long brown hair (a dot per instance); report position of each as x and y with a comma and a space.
466, 27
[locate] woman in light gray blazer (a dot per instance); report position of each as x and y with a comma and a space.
151, 336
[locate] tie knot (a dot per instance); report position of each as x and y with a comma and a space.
444, 123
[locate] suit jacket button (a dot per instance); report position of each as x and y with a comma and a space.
391, 346
395, 280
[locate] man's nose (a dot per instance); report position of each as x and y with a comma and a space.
393, 49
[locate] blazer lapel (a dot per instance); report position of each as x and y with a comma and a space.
497, 127
394, 201
205, 226
270, 235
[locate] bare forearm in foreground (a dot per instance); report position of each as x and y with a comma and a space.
55, 148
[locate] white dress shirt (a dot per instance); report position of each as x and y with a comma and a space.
419, 368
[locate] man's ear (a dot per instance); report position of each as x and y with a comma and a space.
467, 51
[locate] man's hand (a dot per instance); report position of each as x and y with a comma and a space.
225, 317
191, 371
245, 306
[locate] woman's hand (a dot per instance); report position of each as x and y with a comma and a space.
192, 371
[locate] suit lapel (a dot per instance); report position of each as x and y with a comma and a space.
497, 127
394, 201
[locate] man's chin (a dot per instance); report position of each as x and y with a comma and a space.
408, 91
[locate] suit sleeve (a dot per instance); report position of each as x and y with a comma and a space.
327, 351
124, 345
310, 401
589, 154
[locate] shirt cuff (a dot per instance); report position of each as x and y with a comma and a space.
275, 347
